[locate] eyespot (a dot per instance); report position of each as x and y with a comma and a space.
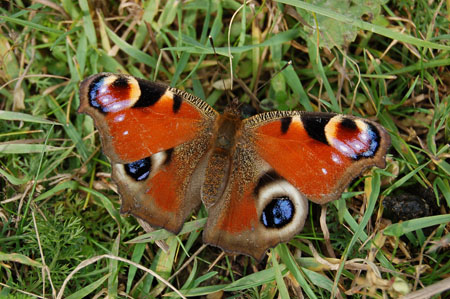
280, 205
278, 213
139, 170
353, 138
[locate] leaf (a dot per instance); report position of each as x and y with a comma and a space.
19, 258
332, 35
8, 115
401, 228
26, 148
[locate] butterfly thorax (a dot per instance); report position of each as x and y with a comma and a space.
219, 163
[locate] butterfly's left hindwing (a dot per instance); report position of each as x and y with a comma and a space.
163, 189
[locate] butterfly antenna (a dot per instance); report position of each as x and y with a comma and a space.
247, 90
218, 62
282, 69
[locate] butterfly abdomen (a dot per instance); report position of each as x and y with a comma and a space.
220, 157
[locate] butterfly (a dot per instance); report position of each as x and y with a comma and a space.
170, 151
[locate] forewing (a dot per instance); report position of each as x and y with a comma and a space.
319, 153
138, 118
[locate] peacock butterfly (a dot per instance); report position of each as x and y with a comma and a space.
170, 151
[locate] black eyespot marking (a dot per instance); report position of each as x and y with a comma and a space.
139, 170
314, 125
285, 123
177, 100
168, 159
266, 179
278, 213
349, 124
93, 92
121, 82
151, 92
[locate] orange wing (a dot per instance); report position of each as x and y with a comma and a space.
137, 118
155, 136
319, 153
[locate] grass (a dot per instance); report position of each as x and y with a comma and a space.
61, 234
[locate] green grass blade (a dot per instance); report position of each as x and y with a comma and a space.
133, 52
294, 268
71, 185
136, 257
255, 279
401, 228
92, 287
25, 148
12, 179
276, 39
375, 191
10, 115
31, 25
162, 234
19, 258
88, 24
281, 286
105, 202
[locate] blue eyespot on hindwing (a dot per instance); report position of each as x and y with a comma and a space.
139, 170
278, 213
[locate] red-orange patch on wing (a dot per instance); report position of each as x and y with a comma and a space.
113, 94
162, 190
345, 134
165, 106
240, 215
358, 141
141, 132
312, 166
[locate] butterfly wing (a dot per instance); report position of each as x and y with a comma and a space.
281, 160
138, 118
163, 189
155, 136
319, 153
258, 209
